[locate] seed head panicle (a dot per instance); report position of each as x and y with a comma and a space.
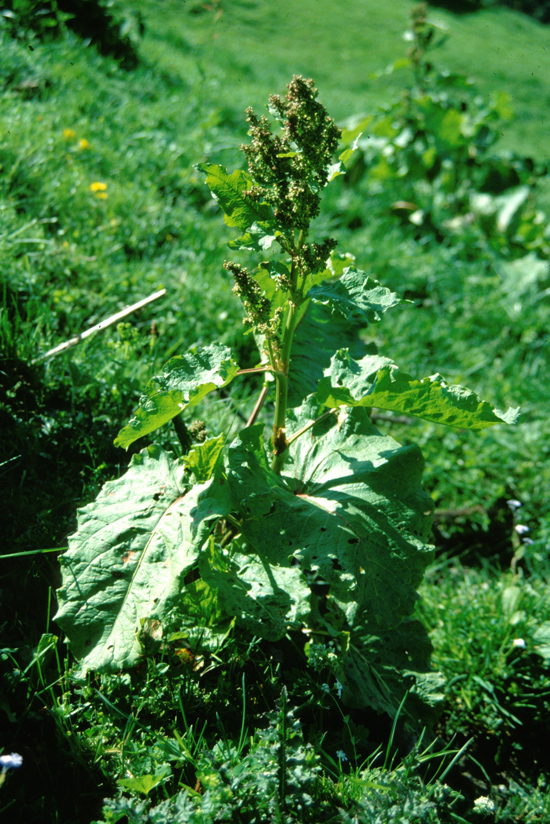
256, 304
289, 169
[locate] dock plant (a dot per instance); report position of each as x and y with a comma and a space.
310, 524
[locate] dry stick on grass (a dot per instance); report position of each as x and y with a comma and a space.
98, 327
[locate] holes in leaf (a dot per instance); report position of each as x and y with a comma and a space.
353, 540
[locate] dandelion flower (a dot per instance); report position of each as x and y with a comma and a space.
69, 134
83, 143
98, 189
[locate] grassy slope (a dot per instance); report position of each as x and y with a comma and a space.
253, 48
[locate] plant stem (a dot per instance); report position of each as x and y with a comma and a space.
281, 377
259, 404
281, 392
310, 425
183, 435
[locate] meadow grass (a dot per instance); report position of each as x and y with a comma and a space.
71, 257
244, 49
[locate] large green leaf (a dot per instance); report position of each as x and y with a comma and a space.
228, 189
319, 333
349, 512
378, 671
376, 382
184, 381
355, 291
265, 598
127, 560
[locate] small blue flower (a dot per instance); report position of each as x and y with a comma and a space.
339, 689
10, 762
325, 687
340, 754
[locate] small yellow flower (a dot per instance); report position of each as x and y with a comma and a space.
99, 190
83, 143
69, 134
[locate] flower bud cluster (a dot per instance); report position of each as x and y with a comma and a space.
313, 256
257, 306
290, 169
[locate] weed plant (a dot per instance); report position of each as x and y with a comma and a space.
71, 257
240, 571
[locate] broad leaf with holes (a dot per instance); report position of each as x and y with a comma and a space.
349, 511
128, 558
266, 598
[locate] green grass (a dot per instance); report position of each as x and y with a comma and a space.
70, 258
242, 51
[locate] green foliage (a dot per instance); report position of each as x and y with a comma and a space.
539, 9
280, 779
114, 30
495, 657
184, 382
429, 158
329, 535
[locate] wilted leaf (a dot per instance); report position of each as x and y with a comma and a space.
319, 333
378, 671
258, 237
